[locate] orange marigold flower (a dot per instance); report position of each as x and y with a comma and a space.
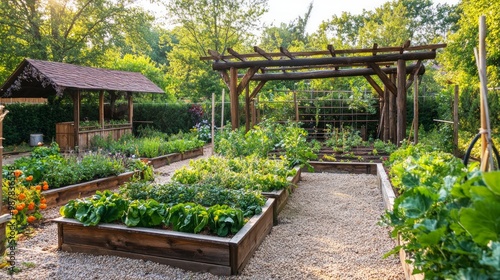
21, 196
14, 212
45, 183
43, 206
20, 207
43, 200
45, 187
31, 206
31, 219
17, 173
29, 178
38, 187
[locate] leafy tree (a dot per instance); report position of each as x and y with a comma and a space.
144, 65
73, 31
204, 25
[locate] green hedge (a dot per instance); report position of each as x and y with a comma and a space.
25, 119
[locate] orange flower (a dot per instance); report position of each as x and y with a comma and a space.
45, 187
17, 173
38, 187
29, 178
45, 183
43, 206
43, 200
21, 196
31, 219
20, 207
14, 212
31, 206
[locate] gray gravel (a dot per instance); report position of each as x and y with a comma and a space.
328, 230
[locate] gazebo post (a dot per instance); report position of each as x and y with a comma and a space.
130, 100
5, 218
101, 109
76, 116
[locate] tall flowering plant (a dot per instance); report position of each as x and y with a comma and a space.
24, 199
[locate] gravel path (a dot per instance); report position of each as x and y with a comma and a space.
328, 230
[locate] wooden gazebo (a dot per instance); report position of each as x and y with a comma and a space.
389, 64
37, 78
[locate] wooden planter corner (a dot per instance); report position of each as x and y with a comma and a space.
195, 252
60, 196
281, 196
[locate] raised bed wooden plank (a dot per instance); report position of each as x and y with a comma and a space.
281, 196
60, 196
218, 255
192, 153
345, 167
174, 157
160, 161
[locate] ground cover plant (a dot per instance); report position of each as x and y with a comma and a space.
47, 164
249, 173
151, 144
268, 139
174, 206
446, 214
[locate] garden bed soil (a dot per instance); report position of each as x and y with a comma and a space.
195, 252
281, 196
60, 196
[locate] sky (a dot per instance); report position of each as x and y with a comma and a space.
287, 10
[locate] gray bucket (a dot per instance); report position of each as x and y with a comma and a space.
35, 139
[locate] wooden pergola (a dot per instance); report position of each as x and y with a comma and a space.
38, 78
396, 68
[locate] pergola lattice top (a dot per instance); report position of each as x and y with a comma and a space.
387, 63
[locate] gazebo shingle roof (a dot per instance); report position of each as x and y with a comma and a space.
38, 78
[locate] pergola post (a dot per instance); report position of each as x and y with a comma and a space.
233, 96
401, 102
385, 112
392, 113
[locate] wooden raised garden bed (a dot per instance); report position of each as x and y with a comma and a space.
164, 160
196, 252
174, 157
192, 153
281, 196
60, 196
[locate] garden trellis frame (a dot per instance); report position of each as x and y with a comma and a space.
389, 64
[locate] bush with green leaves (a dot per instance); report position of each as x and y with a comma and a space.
446, 215
268, 139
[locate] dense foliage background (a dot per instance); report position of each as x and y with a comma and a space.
121, 34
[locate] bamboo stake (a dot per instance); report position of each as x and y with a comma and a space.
486, 156
213, 121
